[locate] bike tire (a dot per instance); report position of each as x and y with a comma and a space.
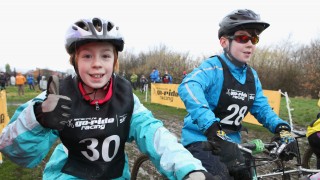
143, 163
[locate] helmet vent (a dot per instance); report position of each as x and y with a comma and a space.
109, 26
82, 25
74, 28
233, 18
97, 24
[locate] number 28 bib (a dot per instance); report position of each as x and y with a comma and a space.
235, 99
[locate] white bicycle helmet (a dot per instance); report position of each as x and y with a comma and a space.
95, 29
241, 19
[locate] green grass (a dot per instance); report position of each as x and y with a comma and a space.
13, 97
305, 111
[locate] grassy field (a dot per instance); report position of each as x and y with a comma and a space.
305, 110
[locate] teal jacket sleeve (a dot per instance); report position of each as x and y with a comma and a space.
24, 141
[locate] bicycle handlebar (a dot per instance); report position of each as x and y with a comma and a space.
274, 149
252, 146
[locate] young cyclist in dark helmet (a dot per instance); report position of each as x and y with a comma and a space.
94, 114
221, 91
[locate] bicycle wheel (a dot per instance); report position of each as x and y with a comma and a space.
309, 159
144, 169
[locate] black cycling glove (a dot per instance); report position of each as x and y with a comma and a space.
284, 137
54, 112
219, 143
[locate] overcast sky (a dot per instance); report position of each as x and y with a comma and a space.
32, 31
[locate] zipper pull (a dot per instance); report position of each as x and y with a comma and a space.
97, 106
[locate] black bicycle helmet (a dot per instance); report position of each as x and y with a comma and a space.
95, 29
241, 19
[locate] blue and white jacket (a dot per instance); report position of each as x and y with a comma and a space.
27, 143
200, 91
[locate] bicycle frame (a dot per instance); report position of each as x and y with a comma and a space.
300, 170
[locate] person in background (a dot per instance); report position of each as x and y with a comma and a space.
155, 76
167, 78
43, 83
134, 80
3, 80
184, 74
94, 114
30, 81
221, 91
20, 81
12, 80
143, 82
38, 80
7, 78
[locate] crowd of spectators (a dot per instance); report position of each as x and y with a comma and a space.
20, 80
140, 81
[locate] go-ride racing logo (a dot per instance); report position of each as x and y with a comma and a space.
94, 122
236, 94
166, 94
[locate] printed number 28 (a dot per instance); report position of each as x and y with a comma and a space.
237, 115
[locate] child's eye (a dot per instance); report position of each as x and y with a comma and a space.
86, 56
106, 56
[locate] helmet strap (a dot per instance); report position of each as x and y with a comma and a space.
94, 91
233, 60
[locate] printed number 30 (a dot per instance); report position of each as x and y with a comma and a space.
236, 112
105, 148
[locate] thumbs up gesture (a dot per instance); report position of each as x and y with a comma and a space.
54, 112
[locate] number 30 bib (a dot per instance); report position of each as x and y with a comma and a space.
95, 139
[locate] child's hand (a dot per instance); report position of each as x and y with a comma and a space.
54, 112
220, 144
200, 175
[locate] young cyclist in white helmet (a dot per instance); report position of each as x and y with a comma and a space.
94, 114
221, 91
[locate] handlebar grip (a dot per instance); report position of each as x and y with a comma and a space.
271, 145
249, 146
258, 146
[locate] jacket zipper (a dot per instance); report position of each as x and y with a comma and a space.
97, 106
